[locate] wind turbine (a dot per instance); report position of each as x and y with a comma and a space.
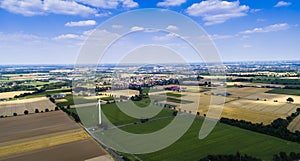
99, 108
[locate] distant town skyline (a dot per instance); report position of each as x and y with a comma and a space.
53, 31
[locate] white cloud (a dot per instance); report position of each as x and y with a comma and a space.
110, 4
168, 3
172, 27
37, 7
65, 7
67, 36
137, 28
271, 28
166, 37
116, 26
81, 23
217, 11
219, 37
283, 4
129, 4
103, 14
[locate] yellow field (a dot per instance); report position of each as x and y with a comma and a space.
42, 143
295, 125
277, 108
12, 94
7, 108
272, 97
243, 114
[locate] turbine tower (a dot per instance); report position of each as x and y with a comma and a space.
99, 108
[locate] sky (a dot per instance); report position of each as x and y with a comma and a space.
54, 31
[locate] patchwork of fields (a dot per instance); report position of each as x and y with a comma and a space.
47, 136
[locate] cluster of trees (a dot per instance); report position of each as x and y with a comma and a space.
236, 157
277, 128
17, 88
282, 156
72, 114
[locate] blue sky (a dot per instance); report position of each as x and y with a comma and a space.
52, 31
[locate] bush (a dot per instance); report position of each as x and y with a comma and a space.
26, 112
56, 108
15, 114
175, 113
46, 110
36, 111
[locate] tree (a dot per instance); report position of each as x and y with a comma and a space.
290, 100
46, 110
198, 113
175, 113
15, 114
26, 112
36, 111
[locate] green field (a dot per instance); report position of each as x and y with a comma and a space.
285, 91
79, 100
174, 94
114, 114
224, 139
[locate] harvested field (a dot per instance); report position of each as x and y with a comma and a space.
45, 136
244, 114
12, 94
295, 125
22, 127
8, 108
244, 92
276, 108
272, 97
75, 151
45, 142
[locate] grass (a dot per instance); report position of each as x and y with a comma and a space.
170, 99
174, 94
295, 92
79, 100
89, 114
224, 139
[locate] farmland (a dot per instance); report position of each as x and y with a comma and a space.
295, 92
223, 140
18, 107
295, 125
12, 94
51, 134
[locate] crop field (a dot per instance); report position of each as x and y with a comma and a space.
277, 108
223, 140
271, 97
295, 92
45, 136
244, 92
295, 125
12, 94
8, 108
242, 114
